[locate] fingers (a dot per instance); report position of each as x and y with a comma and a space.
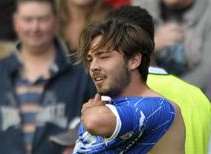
92, 103
85, 106
97, 97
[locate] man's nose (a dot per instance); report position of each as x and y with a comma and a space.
35, 24
94, 66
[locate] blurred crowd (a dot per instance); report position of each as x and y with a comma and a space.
182, 32
182, 41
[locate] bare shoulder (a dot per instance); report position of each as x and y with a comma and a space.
173, 141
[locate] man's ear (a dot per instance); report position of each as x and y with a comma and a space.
134, 62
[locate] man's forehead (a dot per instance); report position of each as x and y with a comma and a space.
27, 8
96, 46
99, 51
95, 42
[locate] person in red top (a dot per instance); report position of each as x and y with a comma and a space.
118, 3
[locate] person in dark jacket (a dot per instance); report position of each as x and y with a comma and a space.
41, 90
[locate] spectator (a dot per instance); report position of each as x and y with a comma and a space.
118, 3
182, 37
75, 15
117, 55
41, 90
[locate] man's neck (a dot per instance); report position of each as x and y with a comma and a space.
36, 63
138, 87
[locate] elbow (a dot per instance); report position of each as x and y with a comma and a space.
90, 123
99, 121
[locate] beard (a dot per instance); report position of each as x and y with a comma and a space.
117, 83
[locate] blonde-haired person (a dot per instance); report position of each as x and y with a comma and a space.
76, 14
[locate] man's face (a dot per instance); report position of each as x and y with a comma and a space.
82, 2
108, 70
35, 24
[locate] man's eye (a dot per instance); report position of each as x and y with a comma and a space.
26, 19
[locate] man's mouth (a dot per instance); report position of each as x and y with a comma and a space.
98, 78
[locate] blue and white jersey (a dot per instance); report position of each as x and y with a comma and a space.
141, 122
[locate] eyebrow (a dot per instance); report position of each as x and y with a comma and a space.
100, 51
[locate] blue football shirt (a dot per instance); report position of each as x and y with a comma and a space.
141, 122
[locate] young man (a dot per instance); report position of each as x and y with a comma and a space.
38, 96
194, 105
136, 119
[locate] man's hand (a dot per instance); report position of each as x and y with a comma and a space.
93, 103
97, 118
168, 34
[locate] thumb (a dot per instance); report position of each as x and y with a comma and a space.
97, 97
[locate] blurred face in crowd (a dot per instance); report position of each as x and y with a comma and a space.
35, 24
178, 3
82, 2
108, 69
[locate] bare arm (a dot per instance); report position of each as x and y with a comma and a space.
97, 118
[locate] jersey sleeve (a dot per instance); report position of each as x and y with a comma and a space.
129, 120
